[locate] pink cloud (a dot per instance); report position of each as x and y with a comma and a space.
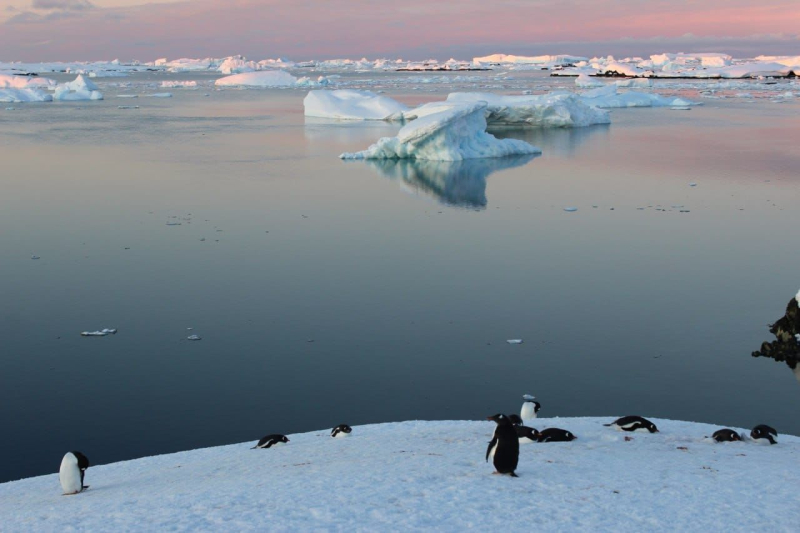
305, 29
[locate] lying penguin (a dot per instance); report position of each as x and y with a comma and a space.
725, 435
342, 430
73, 468
271, 440
556, 435
762, 433
526, 434
633, 423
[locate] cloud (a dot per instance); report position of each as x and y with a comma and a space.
62, 5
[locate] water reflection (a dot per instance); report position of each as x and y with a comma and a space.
453, 183
348, 132
786, 346
563, 142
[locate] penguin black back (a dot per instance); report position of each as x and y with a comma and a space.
505, 445
726, 435
527, 434
515, 419
633, 423
556, 435
83, 464
341, 430
763, 431
270, 440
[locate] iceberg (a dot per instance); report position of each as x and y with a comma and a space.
351, 105
609, 97
79, 89
16, 96
449, 135
557, 110
262, 78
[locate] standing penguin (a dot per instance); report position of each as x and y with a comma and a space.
764, 433
530, 407
73, 468
633, 423
342, 430
504, 446
270, 440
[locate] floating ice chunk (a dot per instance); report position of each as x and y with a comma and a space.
692, 184
450, 135
127, 96
351, 105
34, 257
528, 397
160, 95
264, 78
16, 96
193, 337
514, 341
170, 223
100, 333
570, 209
177, 83
634, 82
609, 97
80, 89
584, 81
561, 110
127, 107
10, 81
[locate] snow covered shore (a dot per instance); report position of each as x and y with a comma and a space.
432, 475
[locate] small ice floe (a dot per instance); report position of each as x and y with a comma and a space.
514, 341
693, 184
173, 223
570, 209
34, 257
160, 95
127, 107
127, 96
101, 333
193, 338
680, 108
10, 108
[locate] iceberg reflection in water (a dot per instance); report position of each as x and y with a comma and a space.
454, 183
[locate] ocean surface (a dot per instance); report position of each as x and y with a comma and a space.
329, 292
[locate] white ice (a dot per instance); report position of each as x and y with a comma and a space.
351, 105
80, 88
450, 135
433, 476
264, 78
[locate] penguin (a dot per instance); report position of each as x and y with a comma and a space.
633, 423
725, 435
764, 433
527, 435
530, 407
73, 468
556, 435
342, 430
515, 420
504, 446
270, 440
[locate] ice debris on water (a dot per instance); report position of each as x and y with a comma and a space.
193, 338
570, 209
514, 341
101, 333
693, 184
173, 223
35, 257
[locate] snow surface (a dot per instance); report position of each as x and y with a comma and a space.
453, 134
351, 105
264, 78
556, 110
432, 475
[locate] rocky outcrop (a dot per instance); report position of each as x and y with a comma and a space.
786, 346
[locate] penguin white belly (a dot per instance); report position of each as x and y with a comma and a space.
528, 411
525, 440
492, 450
341, 435
70, 474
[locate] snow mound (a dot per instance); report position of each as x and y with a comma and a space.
263, 78
609, 97
432, 476
449, 135
80, 88
351, 105
561, 110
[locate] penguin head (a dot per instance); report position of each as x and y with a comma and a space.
283, 438
501, 419
536, 407
515, 419
651, 427
762, 432
341, 428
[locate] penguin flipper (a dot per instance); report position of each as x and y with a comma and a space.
608, 425
492, 444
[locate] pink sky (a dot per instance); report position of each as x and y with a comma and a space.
42, 30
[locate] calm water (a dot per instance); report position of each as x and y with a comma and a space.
407, 278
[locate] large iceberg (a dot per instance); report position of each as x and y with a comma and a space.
453, 134
78, 89
262, 78
351, 105
560, 110
15, 96
609, 97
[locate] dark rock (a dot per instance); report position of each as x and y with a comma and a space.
785, 347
